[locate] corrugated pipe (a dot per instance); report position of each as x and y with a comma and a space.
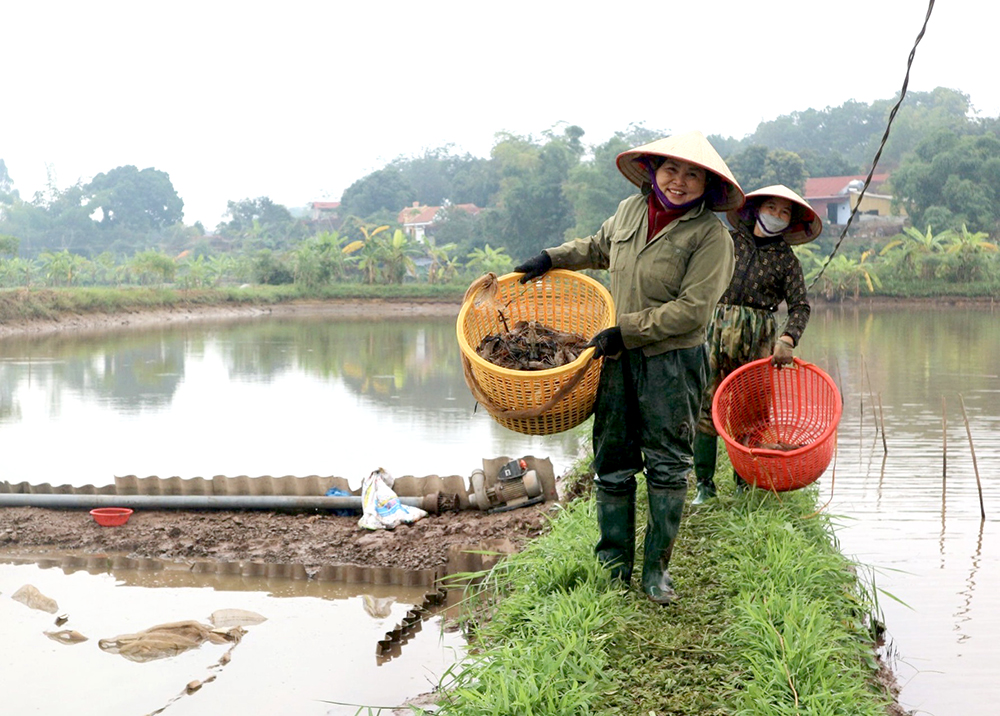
285, 503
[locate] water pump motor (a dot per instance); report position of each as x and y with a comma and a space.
514, 486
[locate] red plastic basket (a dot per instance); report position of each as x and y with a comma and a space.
760, 411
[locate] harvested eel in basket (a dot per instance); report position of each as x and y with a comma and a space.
531, 346
755, 443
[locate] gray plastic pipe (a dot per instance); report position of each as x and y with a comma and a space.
204, 502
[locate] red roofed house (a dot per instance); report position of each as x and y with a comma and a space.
417, 219
324, 210
834, 198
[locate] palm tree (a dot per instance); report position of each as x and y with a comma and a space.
969, 242
490, 260
22, 271
398, 256
968, 248
808, 256
913, 248
844, 276
219, 267
370, 253
443, 266
61, 267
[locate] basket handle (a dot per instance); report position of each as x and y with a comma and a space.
480, 396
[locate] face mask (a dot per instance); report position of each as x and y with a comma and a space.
771, 225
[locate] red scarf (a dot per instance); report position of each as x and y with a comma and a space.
658, 217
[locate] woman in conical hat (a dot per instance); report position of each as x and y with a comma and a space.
744, 327
670, 259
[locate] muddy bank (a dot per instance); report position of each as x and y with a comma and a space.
87, 322
312, 540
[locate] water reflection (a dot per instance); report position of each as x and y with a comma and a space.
317, 645
304, 395
907, 481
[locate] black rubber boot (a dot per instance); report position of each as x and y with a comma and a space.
741, 485
616, 520
665, 509
705, 451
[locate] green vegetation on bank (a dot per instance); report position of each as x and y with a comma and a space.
772, 620
23, 304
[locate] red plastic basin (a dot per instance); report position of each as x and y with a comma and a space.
111, 516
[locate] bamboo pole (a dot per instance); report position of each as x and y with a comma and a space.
868, 378
975, 467
885, 448
944, 464
944, 444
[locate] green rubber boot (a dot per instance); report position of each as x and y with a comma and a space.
705, 451
616, 520
665, 509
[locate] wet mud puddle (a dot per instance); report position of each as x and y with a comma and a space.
77, 636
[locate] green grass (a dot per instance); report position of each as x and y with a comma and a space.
771, 620
29, 304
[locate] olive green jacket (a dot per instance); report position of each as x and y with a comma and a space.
664, 291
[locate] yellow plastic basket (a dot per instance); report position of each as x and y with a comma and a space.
562, 300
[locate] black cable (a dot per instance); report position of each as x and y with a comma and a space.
878, 154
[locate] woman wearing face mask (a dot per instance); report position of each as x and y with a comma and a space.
670, 259
743, 329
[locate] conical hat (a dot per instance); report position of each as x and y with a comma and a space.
806, 225
691, 147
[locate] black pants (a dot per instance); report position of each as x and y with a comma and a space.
645, 417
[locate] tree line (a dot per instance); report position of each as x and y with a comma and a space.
534, 191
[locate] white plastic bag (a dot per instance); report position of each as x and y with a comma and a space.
382, 509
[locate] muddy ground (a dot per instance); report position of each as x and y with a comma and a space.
312, 540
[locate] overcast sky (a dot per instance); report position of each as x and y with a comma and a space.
295, 100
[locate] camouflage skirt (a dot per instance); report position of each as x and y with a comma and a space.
737, 336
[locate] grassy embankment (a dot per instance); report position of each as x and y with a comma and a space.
41, 304
772, 620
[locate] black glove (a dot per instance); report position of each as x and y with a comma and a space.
608, 342
534, 267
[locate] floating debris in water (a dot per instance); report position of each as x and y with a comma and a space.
29, 596
166, 640
531, 346
224, 618
66, 636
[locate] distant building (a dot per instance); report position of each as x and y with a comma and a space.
834, 198
324, 210
323, 216
417, 220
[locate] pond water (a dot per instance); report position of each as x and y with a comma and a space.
304, 396
329, 396
910, 506
317, 645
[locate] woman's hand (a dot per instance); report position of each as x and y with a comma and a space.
783, 348
608, 342
534, 267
